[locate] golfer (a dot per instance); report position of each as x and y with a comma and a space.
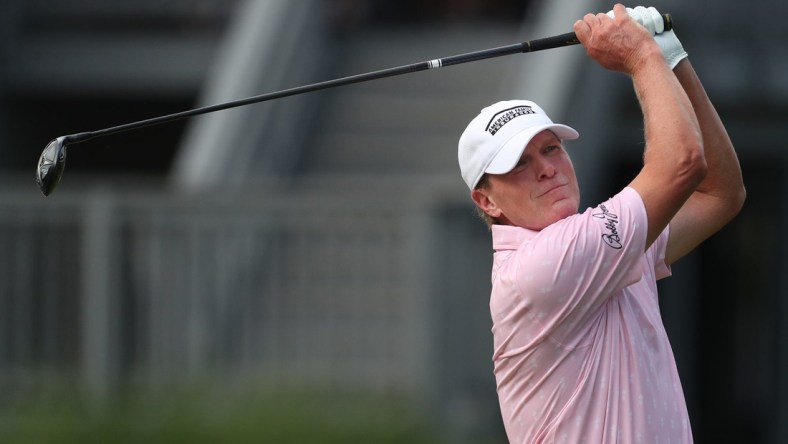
580, 351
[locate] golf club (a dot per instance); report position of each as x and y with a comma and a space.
52, 161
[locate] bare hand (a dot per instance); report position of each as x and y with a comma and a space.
619, 44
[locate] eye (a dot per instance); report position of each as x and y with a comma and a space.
551, 148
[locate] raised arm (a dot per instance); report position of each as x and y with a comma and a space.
720, 196
674, 163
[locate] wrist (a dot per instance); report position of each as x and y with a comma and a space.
648, 58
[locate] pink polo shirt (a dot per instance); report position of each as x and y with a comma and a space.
581, 354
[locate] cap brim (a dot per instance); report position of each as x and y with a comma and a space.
509, 154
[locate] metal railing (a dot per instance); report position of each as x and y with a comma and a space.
154, 288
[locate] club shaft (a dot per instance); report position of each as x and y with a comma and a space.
529, 46
557, 41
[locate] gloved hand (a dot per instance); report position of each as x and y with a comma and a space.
671, 48
651, 19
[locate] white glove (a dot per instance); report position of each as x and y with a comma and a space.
651, 19
671, 48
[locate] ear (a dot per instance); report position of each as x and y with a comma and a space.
484, 201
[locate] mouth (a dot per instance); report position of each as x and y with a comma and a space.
552, 189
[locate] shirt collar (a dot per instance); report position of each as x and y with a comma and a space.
508, 237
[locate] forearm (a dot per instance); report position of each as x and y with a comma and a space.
720, 195
672, 131
724, 178
674, 161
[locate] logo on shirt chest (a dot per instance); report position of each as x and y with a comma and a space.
611, 238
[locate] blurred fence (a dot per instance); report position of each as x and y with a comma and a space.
116, 287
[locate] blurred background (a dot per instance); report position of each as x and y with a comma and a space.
310, 269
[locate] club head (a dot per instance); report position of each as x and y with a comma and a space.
51, 165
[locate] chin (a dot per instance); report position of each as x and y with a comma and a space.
565, 208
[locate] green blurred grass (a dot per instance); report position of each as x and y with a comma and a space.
195, 417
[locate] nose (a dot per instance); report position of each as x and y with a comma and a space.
545, 170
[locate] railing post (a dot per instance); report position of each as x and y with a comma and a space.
100, 320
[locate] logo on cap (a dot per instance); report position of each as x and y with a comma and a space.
502, 118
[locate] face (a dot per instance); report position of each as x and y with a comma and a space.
541, 189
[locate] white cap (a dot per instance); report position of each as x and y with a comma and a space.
494, 141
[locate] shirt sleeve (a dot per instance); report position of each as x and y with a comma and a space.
572, 267
657, 253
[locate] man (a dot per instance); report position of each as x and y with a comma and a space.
580, 352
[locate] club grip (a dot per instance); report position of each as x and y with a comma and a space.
667, 20
568, 39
